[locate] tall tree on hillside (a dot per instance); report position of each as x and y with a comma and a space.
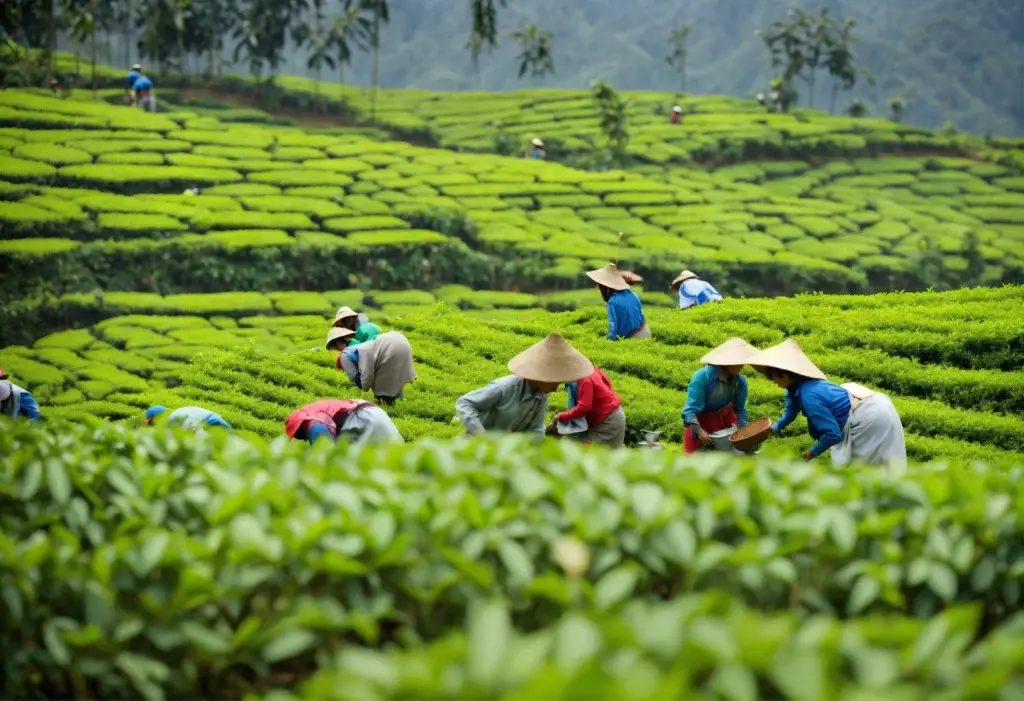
841, 63
379, 14
351, 29
164, 30
897, 107
483, 34
261, 30
536, 57
800, 45
212, 21
676, 58
317, 37
612, 113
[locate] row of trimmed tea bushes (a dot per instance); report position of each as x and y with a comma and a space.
947, 411
697, 646
165, 566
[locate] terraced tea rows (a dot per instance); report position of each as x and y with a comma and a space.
950, 361
284, 208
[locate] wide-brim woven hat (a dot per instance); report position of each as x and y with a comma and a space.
681, 278
609, 276
735, 351
338, 333
344, 313
788, 356
537, 142
677, 108
551, 360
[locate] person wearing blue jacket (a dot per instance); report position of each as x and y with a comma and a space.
143, 89
716, 398
693, 291
189, 417
853, 422
16, 402
134, 74
625, 310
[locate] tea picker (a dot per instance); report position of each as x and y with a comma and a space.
693, 291
857, 424
595, 412
625, 310
355, 419
192, 418
716, 398
15, 401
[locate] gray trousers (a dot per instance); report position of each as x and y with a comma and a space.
611, 431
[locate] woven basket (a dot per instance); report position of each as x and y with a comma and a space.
751, 435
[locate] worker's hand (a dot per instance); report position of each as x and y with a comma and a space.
808, 455
705, 437
552, 429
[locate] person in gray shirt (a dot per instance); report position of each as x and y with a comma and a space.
518, 403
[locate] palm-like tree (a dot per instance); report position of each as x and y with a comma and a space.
352, 28
378, 10
535, 57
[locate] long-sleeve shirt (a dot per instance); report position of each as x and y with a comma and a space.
21, 404
348, 360
193, 417
826, 406
509, 404
132, 77
694, 292
366, 331
625, 314
142, 84
593, 399
710, 389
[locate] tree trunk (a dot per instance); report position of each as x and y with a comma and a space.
682, 72
810, 90
50, 17
835, 94
376, 68
128, 34
212, 48
92, 68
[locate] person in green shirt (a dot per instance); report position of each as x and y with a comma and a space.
364, 330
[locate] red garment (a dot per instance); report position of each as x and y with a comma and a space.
595, 399
334, 411
710, 421
675, 118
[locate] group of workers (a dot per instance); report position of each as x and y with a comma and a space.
855, 423
139, 90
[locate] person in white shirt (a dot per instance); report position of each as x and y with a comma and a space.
693, 291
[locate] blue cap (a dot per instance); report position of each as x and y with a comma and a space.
154, 411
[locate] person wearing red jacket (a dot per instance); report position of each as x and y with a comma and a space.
593, 399
354, 419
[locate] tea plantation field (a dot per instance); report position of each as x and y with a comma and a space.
94, 191
950, 361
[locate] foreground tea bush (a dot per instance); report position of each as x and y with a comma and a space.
159, 564
694, 647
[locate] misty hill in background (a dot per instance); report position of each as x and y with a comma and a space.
950, 60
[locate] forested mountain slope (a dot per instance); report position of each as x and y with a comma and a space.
950, 60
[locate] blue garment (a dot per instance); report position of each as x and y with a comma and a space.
132, 77
143, 83
189, 417
694, 292
154, 411
318, 430
625, 314
536, 154
826, 406
573, 389
710, 389
352, 353
509, 404
20, 404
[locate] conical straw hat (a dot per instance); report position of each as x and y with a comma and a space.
344, 313
551, 360
788, 356
537, 142
609, 276
681, 278
336, 333
735, 351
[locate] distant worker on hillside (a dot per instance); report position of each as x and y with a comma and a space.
134, 74
192, 418
15, 401
55, 87
537, 151
363, 330
356, 420
856, 423
625, 311
144, 97
716, 398
593, 402
382, 365
518, 403
677, 115
693, 291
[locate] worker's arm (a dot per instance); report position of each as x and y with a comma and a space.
468, 407
613, 315
821, 417
584, 401
29, 408
789, 416
741, 400
696, 396
538, 421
